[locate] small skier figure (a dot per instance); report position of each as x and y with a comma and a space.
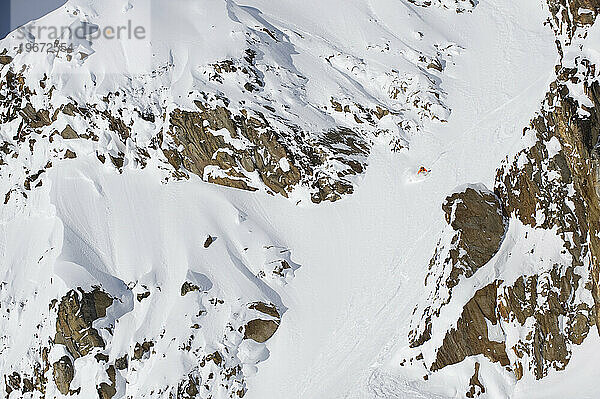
423, 170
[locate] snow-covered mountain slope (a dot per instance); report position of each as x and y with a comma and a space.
230, 206
307, 94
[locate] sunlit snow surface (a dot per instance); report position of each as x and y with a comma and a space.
364, 268
363, 259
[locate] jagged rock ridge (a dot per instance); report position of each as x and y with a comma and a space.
552, 185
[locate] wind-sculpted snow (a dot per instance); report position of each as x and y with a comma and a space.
173, 308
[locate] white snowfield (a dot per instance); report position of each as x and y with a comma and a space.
358, 264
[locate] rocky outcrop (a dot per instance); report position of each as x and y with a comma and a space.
78, 310
107, 391
63, 374
459, 6
209, 240
142, 350
570, 17
260, 330
122, 363
547, 308
34, 383
229, 146
231, 150
68, 133
476, 388
476, 216
76, 313
470, 337
188, 287
551, 186
189, 388
5, 59
476, 228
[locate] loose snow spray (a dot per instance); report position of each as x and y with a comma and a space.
421, 173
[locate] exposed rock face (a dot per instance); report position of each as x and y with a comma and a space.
476, 216
476, 227
555, 320
63, 373
261, 330
34, 383
471, 334
76, 313
230, 149
550, 186
264, 308
553, 186
188, 287
570, 16
107, 391
209, 240
69, 133
189, 388
122, 363
476, 388
242, 149
142, 350
5, 59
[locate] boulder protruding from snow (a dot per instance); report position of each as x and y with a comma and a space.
260, 330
